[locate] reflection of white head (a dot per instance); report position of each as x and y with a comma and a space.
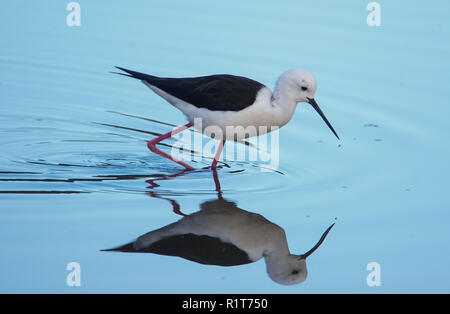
289, 270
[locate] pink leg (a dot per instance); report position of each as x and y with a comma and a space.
218, 153
152, 145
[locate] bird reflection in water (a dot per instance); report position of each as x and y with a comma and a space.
222, 234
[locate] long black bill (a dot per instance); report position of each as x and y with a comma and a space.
313, 103
322, 238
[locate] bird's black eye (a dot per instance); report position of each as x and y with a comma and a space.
294, 272
304, 88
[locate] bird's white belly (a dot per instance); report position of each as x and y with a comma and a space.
230, 125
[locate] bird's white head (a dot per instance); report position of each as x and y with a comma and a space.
300, 84
296, 86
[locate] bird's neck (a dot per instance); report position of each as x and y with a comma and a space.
276, 250
276, 255
283, 103
275, 260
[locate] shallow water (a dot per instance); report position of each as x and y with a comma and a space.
76, 175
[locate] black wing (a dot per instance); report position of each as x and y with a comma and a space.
215, 92
201, 249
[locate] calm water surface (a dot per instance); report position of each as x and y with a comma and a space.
76, 176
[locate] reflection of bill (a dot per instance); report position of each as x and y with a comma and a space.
221, 233
263, 149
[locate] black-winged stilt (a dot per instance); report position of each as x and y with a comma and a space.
232, 104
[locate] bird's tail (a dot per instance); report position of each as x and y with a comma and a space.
131, 248
134, 74
123, 248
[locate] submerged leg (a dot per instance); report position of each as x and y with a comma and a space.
217, 184
152, 193
175, 206
218, 153
152, 145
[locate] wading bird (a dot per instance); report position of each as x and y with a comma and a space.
237, 107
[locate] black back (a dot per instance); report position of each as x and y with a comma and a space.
201, 249
221, 92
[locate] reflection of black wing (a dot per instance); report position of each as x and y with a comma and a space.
213, 92
201, 249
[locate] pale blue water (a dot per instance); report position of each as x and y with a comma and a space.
74, 162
